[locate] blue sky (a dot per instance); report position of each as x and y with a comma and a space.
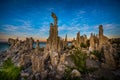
31, 18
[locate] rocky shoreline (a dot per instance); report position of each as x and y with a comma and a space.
32, 66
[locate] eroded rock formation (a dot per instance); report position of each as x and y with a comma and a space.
54, 42
101, 44
79, 40
94, 42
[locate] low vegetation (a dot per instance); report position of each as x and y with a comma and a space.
8, 71
68, 75
79, 60
97, 54
82, 45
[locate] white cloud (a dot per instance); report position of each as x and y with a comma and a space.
76, 27
43, 30
25, 26
44, 27
9, 27
65, 27
109, 27
112, 26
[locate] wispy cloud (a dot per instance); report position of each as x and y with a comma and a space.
72, 30
80, 12
109, 26
77, 27
69, 28
9, 27
112, 26
25, 26
50, 9
109, 29
43, 30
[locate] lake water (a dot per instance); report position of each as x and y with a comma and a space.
5, 46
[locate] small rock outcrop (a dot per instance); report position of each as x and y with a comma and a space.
75, 73
109, 56
79, 40
94, 42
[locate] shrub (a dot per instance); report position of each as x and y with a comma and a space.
79, 60
88, 43
97, 54
9, 71
82, 45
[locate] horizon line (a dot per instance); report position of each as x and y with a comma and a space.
45, 39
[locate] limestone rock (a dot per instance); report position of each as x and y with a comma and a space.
24, 74
61, 66
79, 40
37, 63
55, 18
44, 74
65, 43
109, 58
92, 64
92, 56
54, 57
54, 42
31, 40
102, 39
75, 73
69, 62
94, 41
37, 49
11, 42
37, 76
25, 60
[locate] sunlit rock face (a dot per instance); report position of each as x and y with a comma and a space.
37, 63
20, 51
107, 48
54, 42
25, 45
94, 42
103, 40
102, 44
79, 40
37, 49
97, 41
